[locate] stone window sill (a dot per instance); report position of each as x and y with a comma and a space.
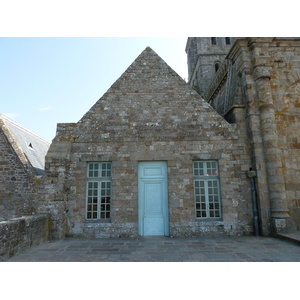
98, 221
209, 220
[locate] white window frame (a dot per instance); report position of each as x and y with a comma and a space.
98, 191
207, 193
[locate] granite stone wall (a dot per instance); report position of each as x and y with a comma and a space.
266, 77
202, 56
17, 183
22, 233
148, 114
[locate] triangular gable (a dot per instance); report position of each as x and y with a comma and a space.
151, 101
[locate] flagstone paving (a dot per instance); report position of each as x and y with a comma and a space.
163, 249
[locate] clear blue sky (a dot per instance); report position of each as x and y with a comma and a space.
45, 81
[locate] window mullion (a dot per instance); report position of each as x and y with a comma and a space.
206, 197
99, 200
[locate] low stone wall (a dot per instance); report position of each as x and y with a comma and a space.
22, 233
104, 230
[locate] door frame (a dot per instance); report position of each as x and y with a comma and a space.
141, 204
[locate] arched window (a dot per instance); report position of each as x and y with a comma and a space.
213, 41
227, 40
217, 65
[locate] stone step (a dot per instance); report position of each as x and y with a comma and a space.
292, 237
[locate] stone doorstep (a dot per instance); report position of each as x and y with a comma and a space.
291, 237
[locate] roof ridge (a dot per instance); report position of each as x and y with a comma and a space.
2, 116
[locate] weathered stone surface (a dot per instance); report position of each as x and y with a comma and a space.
151, 114
148, 114
20, 168
265, 79
202, 59
16, 183
19, 234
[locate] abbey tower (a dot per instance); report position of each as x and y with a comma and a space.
205, 55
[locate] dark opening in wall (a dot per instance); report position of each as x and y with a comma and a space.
227, 40
213, 41
217, 65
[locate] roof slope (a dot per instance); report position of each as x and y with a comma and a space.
29, 146
149, 101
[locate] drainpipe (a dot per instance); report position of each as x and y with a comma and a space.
252, 174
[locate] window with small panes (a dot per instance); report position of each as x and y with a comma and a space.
207, 189
98, 199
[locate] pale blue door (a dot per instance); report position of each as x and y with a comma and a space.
153, 199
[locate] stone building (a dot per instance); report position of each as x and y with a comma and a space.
151, 157
155, 157
257, 88
22, 159
205, 55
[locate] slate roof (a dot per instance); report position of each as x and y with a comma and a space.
31, 145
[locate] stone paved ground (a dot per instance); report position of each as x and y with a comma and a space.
163, 249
